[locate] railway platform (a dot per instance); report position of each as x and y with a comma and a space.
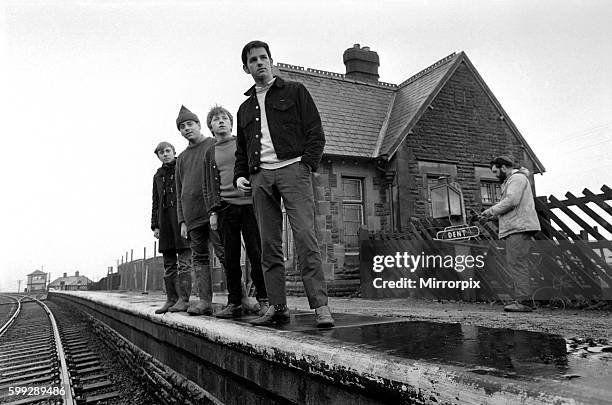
365, 359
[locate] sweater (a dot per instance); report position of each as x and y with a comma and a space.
191, 207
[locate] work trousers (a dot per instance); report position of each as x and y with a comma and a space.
519, 261
293, 184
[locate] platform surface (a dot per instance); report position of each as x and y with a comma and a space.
517, 363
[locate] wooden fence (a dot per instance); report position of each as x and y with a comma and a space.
578, 267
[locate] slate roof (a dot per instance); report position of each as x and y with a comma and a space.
352, 112
71, 280
370, 120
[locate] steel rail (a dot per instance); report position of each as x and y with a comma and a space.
8, 323
67, 397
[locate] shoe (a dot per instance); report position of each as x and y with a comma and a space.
517, 307
264, 305
272, 316
324, 317
230, 311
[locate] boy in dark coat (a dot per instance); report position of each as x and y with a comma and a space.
164, 224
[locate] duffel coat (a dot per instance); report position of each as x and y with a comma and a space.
163, 213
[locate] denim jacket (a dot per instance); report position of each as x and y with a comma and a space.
294, 124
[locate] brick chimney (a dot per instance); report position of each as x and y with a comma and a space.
361, 64
65, 275
76, 273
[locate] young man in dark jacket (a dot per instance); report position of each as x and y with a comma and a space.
231, 212
164, 224
192, 211
279, 144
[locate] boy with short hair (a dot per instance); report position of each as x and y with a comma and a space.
164, 224
231, 212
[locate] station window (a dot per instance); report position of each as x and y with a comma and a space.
352, 212
490, 192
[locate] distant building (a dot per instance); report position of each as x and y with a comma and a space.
388, 144
37, 281
72, 283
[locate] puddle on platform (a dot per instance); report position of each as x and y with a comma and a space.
502, 352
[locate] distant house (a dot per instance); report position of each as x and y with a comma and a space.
37, 281
76, 282
387, 144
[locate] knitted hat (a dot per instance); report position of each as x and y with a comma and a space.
186, 115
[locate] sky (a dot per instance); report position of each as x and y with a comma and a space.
89, 87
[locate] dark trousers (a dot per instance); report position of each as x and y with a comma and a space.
518, 259
294, 185
235, 220
217, 244
176, 261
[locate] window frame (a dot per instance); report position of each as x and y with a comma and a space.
349, 202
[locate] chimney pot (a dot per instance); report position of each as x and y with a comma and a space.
366, 48
356, 46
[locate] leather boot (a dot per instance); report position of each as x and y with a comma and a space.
323, 317
276, 314
171, 294
204, 281
183, 287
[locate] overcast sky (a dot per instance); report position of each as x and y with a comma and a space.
88, 88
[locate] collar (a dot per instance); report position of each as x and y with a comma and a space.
277, 83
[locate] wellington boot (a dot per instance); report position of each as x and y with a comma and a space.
204, 281
171, 294
183, 286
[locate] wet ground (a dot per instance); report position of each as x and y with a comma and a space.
479, 340
502, 352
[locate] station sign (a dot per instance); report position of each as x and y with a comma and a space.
458, 232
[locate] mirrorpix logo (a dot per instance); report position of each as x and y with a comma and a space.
408, 263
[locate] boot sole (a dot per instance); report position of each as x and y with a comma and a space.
206, 313
275, 322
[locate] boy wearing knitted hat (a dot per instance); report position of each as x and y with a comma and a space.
164, 224
192, 211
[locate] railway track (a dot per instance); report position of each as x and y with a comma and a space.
49, 361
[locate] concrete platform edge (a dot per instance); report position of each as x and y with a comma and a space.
348, 365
